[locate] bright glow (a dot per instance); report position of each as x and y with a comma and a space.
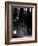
17, 17
26, 9
19, 8
30, 9
14, 32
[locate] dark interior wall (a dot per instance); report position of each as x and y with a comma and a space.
24, 21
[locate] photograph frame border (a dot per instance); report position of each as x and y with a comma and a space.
7, 22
